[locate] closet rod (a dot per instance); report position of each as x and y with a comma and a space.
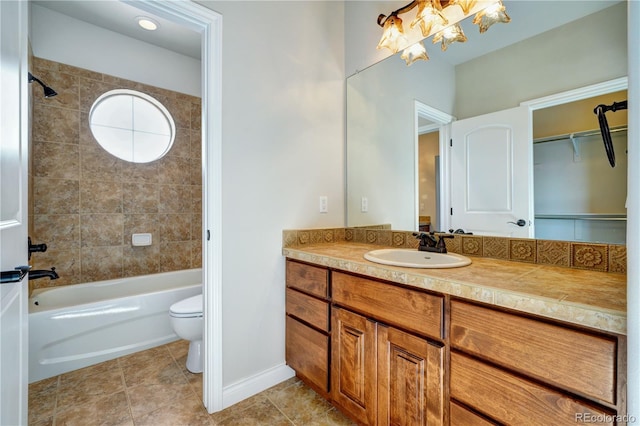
617, 129
610, 217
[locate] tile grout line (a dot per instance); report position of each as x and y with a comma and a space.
126, 391
277, 407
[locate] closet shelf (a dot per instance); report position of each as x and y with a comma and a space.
586, 216
572, 136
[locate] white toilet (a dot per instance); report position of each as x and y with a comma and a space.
186, 320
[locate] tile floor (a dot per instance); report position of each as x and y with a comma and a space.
153, 387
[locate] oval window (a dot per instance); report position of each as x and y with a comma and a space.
132, 126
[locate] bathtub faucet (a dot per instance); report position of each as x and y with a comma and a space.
41, 273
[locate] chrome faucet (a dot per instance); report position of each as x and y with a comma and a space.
41, 273
428, 241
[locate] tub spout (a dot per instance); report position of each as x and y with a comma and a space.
41, 273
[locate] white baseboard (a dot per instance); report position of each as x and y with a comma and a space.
250, 386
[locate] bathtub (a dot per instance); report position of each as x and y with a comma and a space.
79, 325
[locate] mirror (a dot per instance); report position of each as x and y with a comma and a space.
382, 163
132, 126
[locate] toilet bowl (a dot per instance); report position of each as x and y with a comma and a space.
186, 320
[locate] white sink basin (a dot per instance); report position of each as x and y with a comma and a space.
417, 259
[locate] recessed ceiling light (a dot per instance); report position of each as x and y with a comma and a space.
147, 23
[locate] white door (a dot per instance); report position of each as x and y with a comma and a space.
13, 211
492, 174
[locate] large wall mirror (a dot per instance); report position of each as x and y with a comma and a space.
386, 133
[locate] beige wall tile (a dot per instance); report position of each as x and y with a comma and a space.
589, 256
87, 203
495, 247
174, 227
56, 196
101, 263
181, 144
98, 164
60, 232
52, 124
522, 250
101, 230
175, 255
554, 252
618, 259
139, 197
175, 199
100, 197
56, 160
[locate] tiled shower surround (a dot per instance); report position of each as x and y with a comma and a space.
87, 203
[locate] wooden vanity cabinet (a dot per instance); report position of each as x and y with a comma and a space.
517, 369
379, 352
382, 374
308, 324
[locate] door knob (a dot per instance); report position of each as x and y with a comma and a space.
520, 222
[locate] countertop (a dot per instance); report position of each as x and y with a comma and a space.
592, 299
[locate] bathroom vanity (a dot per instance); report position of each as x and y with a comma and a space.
496, 342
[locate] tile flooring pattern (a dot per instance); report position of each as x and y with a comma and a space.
153, 387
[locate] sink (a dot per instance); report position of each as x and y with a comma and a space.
417, 259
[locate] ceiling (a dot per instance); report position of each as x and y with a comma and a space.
120, 17
528, 18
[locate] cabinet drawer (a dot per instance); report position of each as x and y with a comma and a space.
308, 309
310, 279
408, 309
509, 399
307, 352
574, 360
461, 416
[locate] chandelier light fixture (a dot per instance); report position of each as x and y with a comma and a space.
437, 18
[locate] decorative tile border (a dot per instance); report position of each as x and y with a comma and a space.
589, 256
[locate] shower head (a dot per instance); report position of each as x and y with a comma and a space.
48, 91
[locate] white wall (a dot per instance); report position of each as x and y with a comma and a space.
283, 140
381, 137
633, 211
283, 147
363, 33
63, 39
583, 52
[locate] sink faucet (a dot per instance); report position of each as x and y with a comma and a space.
41, 273
428, 241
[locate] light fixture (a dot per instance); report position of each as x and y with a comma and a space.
491, 15
414, 52
449, 35
147, 23
393, 33
437, 18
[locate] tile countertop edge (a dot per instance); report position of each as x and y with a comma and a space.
584, 315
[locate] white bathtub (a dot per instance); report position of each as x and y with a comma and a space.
79, 325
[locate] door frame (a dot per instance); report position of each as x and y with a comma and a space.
585, 92
442, 122
209, 24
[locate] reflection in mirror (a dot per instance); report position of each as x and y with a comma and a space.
578, 196
381, 154
382, 164
132, 126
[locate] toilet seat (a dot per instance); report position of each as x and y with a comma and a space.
187, 308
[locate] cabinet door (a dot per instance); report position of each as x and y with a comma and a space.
353, 369
410, 379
